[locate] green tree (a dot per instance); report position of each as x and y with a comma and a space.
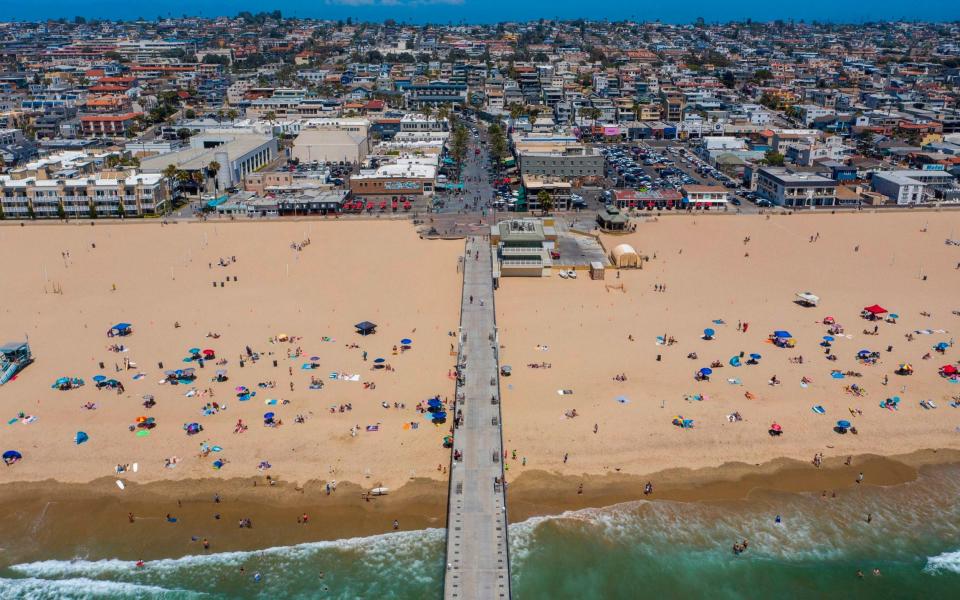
773, 158
61, 212
93, 209
545, 200
212, 169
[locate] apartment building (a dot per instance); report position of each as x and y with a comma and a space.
103, 194
787, 188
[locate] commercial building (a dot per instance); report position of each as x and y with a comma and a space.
522, 248
706, 196
236, 153
787, 188
332, 140
403, 179
567, 161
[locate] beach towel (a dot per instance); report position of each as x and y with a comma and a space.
735, 381
327, 338
13, 420
373, 427
564, 392
660, 340
804, 385
270, 402
334, 375
306, 366
352, 378
819, 410
139, 376
837, 375
623, 400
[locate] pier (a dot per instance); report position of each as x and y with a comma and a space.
477, 559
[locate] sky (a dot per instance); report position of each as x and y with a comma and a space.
492, 11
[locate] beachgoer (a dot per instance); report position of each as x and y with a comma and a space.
860, 477
396, 524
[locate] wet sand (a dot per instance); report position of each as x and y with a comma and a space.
40, 519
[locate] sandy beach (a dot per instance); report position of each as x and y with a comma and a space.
154, 276
715, 278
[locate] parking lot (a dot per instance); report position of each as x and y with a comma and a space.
667, 165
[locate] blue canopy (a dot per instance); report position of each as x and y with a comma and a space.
782, 334
434, 402
81, 437
268, 415
11, 454
843, 424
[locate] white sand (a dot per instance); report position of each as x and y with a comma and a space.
585, 328
377, 271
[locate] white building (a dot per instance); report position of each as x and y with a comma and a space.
898, 186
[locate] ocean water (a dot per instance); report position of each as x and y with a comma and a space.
654, 549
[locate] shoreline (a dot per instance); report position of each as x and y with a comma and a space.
40, 518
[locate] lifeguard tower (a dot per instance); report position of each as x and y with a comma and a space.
14, 357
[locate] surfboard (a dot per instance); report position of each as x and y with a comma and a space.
136, 467
120, 484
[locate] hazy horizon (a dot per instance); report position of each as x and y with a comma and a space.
492, 11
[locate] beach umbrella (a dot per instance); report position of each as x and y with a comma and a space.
828, 338
706, 371
379, 360
240, 388
141, 419
209, 351
708, 332
894, 316
314, 358
268, 415
81, 437
623, 400
843, 424
12, 455
99, 378
776, 427
434, 402
406, 341
193, 351
942, 346
755, 356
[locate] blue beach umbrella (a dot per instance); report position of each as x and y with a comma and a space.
99, 378
268, 415
706, 371
782, 334
406, 341
828, 338
708, 332
843, 424
894, 316
12, 455
193, 351
755, 356
379, 361
434, 402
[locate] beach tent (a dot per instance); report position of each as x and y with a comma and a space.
875, 310
624, 256
81, 437
807, 299
366, 328
782, 334
11, 456
948, 371
120, 329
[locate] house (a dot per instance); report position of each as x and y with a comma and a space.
784, 187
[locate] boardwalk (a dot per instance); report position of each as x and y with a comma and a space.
478, 565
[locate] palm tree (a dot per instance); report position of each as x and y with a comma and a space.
515, 111
427, 111
545, 200
212, 169
232, 114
